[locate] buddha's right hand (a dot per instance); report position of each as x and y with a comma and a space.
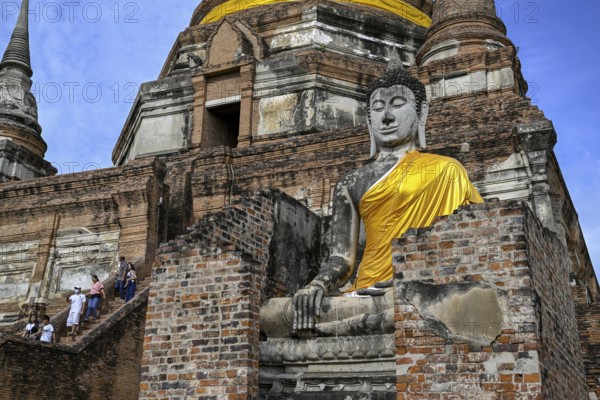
307, 305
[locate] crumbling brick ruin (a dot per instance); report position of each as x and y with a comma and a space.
221, 193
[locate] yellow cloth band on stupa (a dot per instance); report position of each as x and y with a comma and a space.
398, 7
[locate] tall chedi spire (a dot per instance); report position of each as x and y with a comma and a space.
22, 148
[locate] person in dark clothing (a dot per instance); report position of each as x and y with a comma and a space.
121, 278
131, 281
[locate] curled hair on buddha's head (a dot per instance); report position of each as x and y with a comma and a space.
398, 76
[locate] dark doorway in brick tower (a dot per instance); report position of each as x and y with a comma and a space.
223, 128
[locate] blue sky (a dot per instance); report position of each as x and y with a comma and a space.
89, 58
557, 46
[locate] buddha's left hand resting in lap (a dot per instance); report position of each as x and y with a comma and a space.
401, 189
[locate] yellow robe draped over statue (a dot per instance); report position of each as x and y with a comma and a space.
418, 189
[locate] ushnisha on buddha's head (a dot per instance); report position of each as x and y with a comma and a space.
397, 110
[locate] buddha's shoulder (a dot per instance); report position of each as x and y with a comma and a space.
360, 179
374, 170
439, 160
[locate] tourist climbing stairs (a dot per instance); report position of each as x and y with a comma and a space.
107, 308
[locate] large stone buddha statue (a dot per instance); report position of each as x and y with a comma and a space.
402, 188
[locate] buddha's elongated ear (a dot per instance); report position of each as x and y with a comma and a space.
422, 122
373, 143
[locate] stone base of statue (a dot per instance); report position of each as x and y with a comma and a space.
339, 366
352, 351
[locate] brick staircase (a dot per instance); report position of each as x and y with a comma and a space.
106, 309
109, 351
58, 311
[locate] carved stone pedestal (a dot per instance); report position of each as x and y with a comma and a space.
342, 367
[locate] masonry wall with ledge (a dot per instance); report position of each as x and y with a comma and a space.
588, 318
203, 325
484, 309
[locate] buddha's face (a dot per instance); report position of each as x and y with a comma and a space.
394, 118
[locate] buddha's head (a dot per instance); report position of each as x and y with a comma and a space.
397, 110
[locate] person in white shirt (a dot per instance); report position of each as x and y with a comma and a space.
47, 333
77, 305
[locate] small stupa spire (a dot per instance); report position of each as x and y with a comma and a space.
17, 53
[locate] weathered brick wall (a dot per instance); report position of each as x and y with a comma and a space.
98, 200
202, 328
295, 248
580, 295
560, 350
276, 230
264, 21
247, 224
494, 245
485, 122
107, 367
583, 272
180, 201
306, 168
588, 318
